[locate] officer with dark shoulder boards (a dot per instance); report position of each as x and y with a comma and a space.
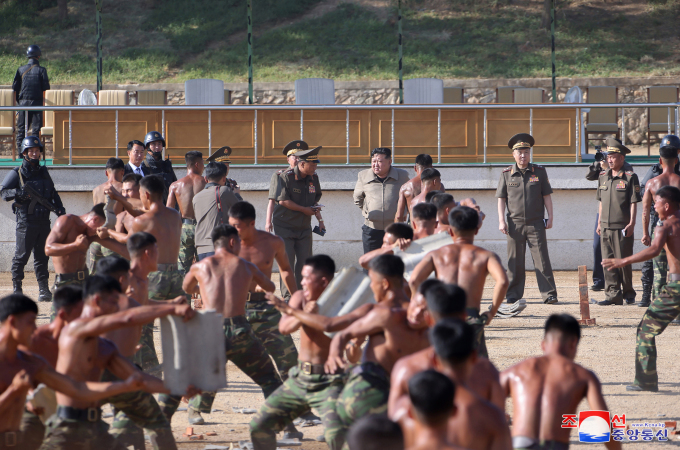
275, 183
29, 84
296, 203
618, 192
598, 275
154, 143
525, 189
24, 185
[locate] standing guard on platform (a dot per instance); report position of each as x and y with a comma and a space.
526, 190
32, 190
618, 192
29, 83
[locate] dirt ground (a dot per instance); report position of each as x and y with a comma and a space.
608, 349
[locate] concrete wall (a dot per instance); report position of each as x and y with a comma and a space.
570, 240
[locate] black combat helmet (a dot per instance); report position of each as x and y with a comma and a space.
33, 51
670, 141
29, 142
153, 136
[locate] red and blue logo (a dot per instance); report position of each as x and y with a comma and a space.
594, 426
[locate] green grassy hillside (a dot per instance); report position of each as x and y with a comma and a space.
174, 40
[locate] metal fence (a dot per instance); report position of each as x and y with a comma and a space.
673, 117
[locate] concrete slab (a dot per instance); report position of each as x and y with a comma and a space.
349, 290
193, 352
418, 249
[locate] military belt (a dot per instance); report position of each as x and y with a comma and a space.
256, 297
167, 267
81, 275
11, 439
311, 369
235, 321
189, 221
674, 277
80, 414
372, 368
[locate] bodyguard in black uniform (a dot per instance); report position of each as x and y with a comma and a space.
33, 219
29, 84
154, 144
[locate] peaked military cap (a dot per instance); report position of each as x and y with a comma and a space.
521, 140
221, 155
615, 146
293, 147
311, 155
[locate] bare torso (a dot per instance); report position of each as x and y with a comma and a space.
665, 179
409, 190
417, 199
224, 280
671, 225
98, 195
138, 289
183, 191
45, 344
70, 227
542, 390
464, 265
314, 344
12, 415
126, 339
165, 224
261, 252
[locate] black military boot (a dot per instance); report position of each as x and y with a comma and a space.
45, 295
17, 287
646, 296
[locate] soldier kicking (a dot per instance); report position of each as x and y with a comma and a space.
307, 385
182, 193
666, 306
84, 356
223, 280
545, 388
466, 265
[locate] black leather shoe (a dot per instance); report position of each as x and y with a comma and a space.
630, 301
638, 388
597, 287
609, 302
550, 300
511, 300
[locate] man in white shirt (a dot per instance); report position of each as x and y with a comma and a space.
136, 155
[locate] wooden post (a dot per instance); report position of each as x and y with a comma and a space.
583, 297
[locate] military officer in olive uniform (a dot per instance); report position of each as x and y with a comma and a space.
296, 202
154, 143
275, 183
525, 190
618, 192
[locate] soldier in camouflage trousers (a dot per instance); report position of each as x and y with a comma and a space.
62, 433
97, 252
187, 249
660, 313
33, 431
134, 411
68, 279
366, 392
478, 322
245, 350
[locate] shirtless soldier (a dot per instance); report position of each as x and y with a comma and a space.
666, 306
431, 394
131, 193
396, 233
262, 248
223, 280
182, 192
84, 356
466, 265
423, 220
668, 159
307, 384
546, 387
441, 301
431, 181
412, 187
21, 370
114, 174
390, 337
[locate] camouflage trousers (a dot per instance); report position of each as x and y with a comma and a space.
146, 357
33, 431
134, 411
69, 434
264, 319
366, 392
245, 350
660, 313
95, 253
478, 323
57, 285
298, 394
660, 273
187, 248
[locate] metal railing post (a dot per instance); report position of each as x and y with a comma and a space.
669, 120
677, 120
393, 134
163, 129
623, 126
302, 126
531, 132
255, 138
484, 135
209, 133
116, 133
576, 131
347, 134
70, 138
439, 136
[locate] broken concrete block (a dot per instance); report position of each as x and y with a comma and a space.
189, 432
244, 410
198, 437
419, 248
349, 289
193, 352
211, 433
45, 398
